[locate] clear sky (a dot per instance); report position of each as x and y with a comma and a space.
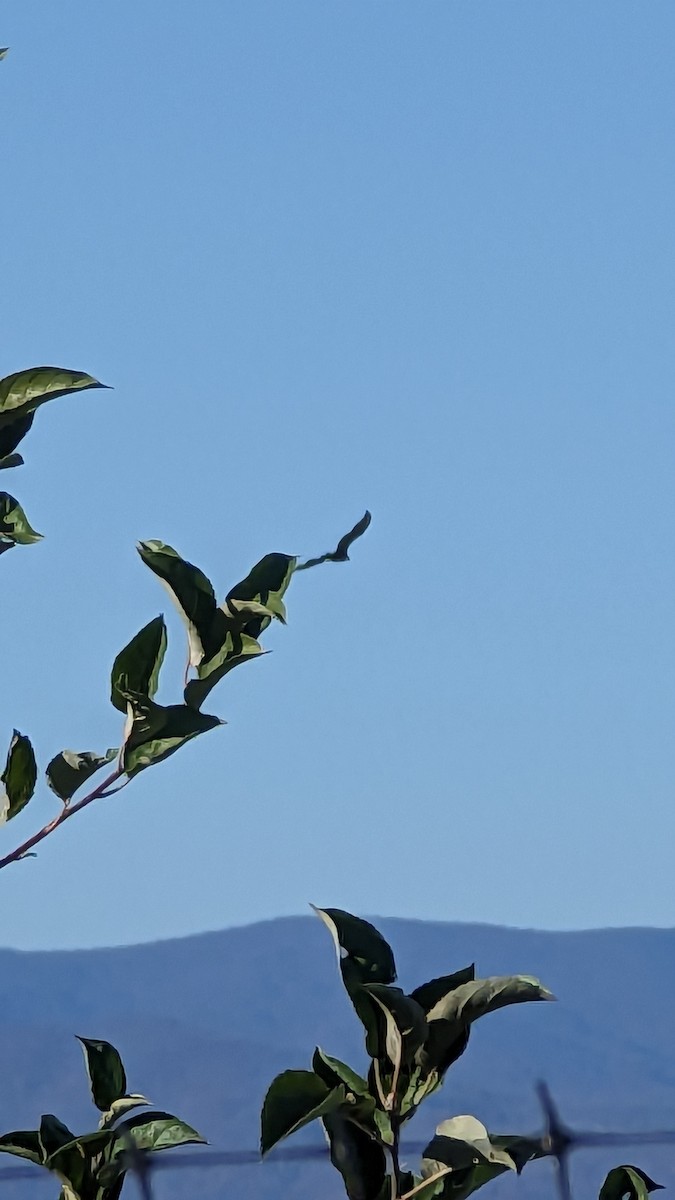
338, 254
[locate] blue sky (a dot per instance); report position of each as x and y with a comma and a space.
335, 255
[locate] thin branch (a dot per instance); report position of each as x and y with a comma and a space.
67, 811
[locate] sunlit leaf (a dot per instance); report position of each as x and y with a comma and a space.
23, 392
628, 1183
191, 592
23, 1143
14, 524
156, 1131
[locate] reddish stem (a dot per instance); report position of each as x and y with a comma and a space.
68, 810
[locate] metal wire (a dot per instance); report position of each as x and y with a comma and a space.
557, 1141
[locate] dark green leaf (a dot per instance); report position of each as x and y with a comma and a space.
75, 1163
265, 584
428, 994
23, 1143
23, 392
192, 593
340, 554
236, 648
630, 1182
12, 433
521, 1149
14, 524
68, 770
154, 732
106, 1072
464, 1145
137, 666
333, 1072
363, 954
53, 1134
18, 778
155, 1131
357, 1156
404, 1028
12, 460
294, 1099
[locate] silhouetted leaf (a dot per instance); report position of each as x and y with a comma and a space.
405, 1026
294, 1099
74, 1163
4, 51
628, 1182
12, 433
137, 666
70, 769
105, 1069
363, 954
23, 392
358, 1157
12, 460
154, 732
340, 554
14, 524
18, 778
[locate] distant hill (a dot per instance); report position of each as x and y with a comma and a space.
205, 1022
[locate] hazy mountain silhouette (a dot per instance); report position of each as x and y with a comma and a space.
205, 1022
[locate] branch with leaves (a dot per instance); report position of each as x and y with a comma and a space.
220, 638
411, 1041
93, 1166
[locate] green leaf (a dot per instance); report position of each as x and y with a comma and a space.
363, 954
405, 1026
4, 52
14, 524
630, 1182
191, 592
294, 1099
154, 732
137, 666
23, 1143
119, 1107
470, 1001
18, 778
340, 554
265, 584
357, 1156
155, 1131
69, 769
521, 1149
107, 1078
452, 1015
12, 460
53, 1134
333, 1072
23, 392
463, 1145
429, 994
237, 648
12, 433
75, 1162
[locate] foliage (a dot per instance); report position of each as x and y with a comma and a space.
220, 638
411, 1040
93, 1166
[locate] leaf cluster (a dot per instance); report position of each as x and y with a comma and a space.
412, 1040
93, 1166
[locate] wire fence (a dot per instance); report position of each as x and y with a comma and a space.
556, 1140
